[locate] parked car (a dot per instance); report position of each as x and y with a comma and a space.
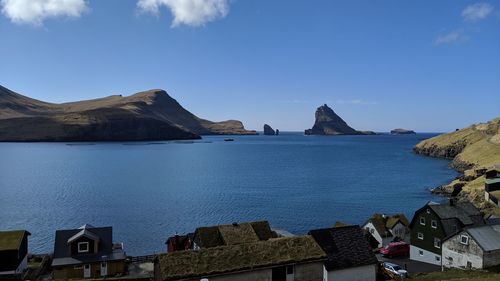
396, 249
395, 270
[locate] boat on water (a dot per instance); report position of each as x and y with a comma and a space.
229, 139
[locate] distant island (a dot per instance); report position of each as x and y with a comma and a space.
149, 115
269, 131
472, 150
402, 132
329, 123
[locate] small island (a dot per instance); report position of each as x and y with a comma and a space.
327, 122
402, 132
269, 131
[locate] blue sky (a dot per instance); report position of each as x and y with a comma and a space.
423, 65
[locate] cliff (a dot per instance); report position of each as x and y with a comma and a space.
268, 130
329, 123
470, 149
402, 132
149, 115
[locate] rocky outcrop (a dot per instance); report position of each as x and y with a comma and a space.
268, 130
471, 149
149, 115
329, 123
402, 132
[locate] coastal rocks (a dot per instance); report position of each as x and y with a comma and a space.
329, 123
149, 115
268, 130
402, 132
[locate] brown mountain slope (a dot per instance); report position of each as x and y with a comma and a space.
149, 115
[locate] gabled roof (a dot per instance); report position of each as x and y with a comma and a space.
11, 240
83, 233
234, 258
62, 252
345, 247
488, 236
232, 234
383, 223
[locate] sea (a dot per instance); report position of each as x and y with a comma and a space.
148, 191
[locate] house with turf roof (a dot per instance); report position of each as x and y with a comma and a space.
87, 252
349, 254
387, 228
297, 258
13, 252
434, 222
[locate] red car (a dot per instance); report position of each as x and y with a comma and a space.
396, 249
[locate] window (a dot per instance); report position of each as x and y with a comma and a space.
438, 258
434, 224
372, 231
421, 253
464, 239
289, 269
83, 247
420, 236
422, 220
428, 211
437, 243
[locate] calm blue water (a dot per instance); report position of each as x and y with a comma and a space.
150, 191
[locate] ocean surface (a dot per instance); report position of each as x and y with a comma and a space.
149, 191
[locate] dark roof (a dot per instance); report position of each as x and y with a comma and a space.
454, 215
345, 247
383, 223
62, 252
234, 258
231, 234
12, 240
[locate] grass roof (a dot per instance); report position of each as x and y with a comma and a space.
226, 259
237, 234
11, 240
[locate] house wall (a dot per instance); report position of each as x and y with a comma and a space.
400, 230
69, 272
456, 254
491, 259
428, 231
427, 257
374, 233
309, 272
361, 273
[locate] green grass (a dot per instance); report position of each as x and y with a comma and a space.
458, 275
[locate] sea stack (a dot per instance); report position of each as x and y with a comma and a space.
329, 123
402, 132
268, 130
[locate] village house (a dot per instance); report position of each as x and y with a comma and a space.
434, 222
13, 252
386, 229
179, 242
297, 258
492, 186
231, 234
349, 255
473, 248
87, 252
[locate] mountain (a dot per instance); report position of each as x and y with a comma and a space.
402, 132
149, 115
329, 123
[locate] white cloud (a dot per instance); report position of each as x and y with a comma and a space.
477, 11
450, 37
188, 12
36, 11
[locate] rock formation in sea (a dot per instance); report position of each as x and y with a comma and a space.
268, 130
470, 149
149, 115
329, 123
277, 132
402, 132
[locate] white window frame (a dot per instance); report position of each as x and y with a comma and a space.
434, 224
422, 220
462, 239
83, 243
438, 242
420, 235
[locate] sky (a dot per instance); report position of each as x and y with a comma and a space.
430, 66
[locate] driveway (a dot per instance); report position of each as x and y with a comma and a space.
411, 266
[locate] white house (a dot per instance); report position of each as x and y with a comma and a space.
386, 229
349, 255
477, 247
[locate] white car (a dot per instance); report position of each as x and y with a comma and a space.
395, 269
